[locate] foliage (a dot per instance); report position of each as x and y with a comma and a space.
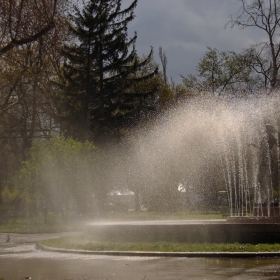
221, 72
156, 94
31, 32
100, 70
58, 175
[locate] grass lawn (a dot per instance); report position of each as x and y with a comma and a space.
33, 228
57, 224
178, 215
24, 225
82, 244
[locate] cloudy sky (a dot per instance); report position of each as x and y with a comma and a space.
184, 29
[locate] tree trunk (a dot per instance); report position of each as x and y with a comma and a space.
136, 202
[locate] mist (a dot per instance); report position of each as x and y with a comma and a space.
205, 145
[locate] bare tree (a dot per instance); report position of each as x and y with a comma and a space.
26, 72
264, 15
163, 60
25, 21
258, 57
31, 33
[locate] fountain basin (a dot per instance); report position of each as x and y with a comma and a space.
254, 220
185, 231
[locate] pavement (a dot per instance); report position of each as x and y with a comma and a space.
20, 257
14, 243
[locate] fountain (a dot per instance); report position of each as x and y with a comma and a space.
213, 145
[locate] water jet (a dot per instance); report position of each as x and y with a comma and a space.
213, 145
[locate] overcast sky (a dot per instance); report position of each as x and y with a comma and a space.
184, 29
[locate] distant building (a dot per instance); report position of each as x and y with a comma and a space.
121, 200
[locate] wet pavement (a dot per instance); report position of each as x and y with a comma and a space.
19, 258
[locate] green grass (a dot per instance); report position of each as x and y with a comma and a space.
179, 215
21, 225
29, 226
76, 243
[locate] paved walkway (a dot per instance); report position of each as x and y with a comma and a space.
20, 258
13, 243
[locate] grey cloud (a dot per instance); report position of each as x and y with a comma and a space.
184, 28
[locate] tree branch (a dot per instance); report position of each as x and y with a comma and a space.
27, 40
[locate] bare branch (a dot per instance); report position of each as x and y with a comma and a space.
24, 21
264, 15
163, 60
25, 41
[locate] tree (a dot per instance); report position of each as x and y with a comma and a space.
57, 175
100, 70
219, 72
264, 15
155, 94
23, 22
163, 60
25, 72
27, 66
25, 75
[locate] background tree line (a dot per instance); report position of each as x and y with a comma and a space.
253, 71
68, 69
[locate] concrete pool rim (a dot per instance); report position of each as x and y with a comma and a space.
164, 254
187, 231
